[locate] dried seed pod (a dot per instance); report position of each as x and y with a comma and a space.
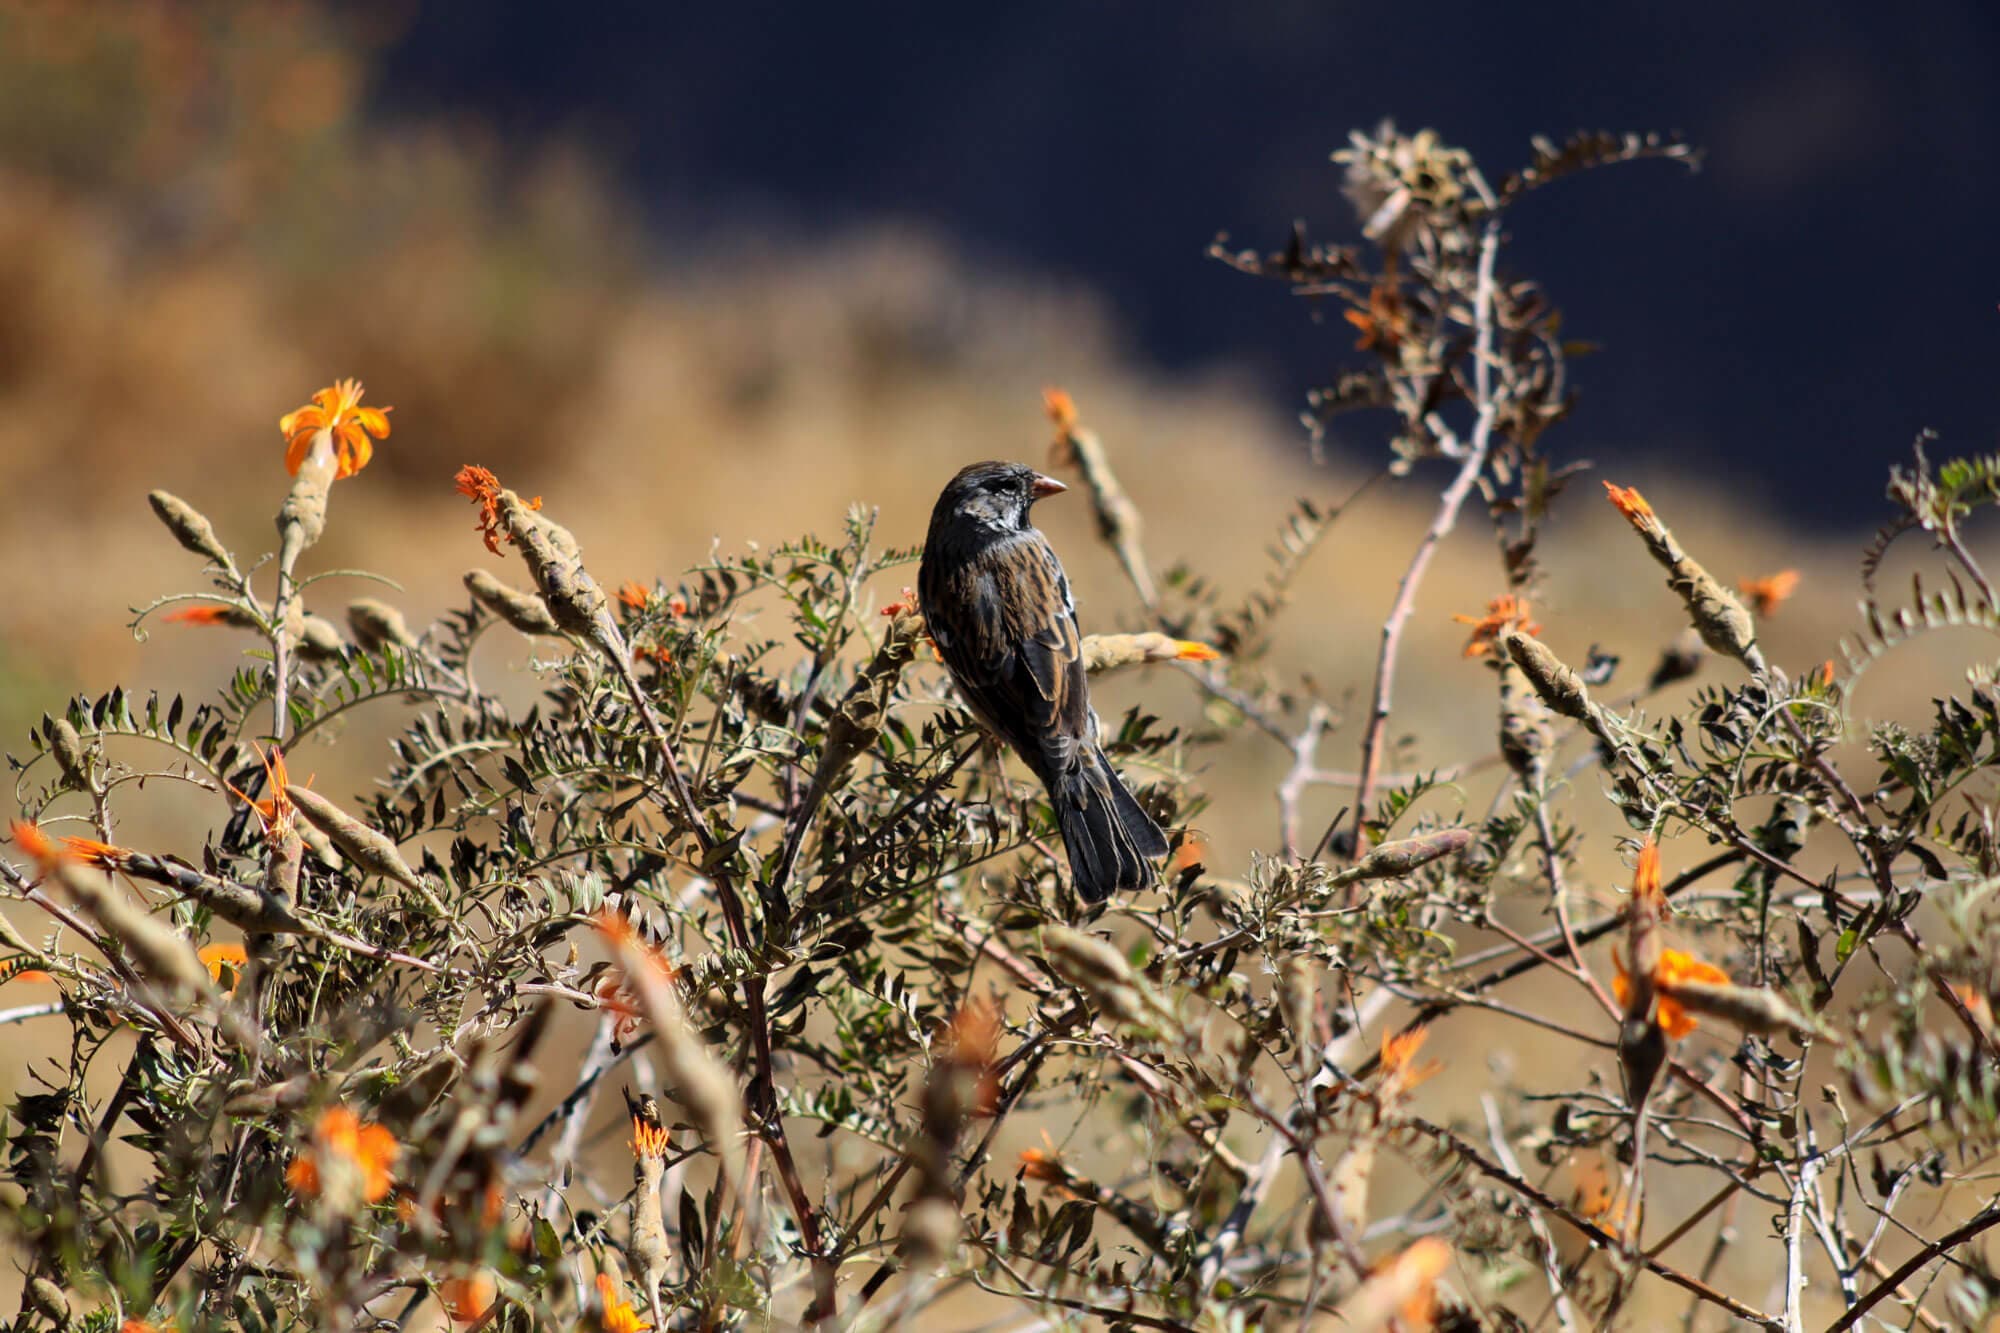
1405, 855
1103, 652
48, 1300
244, 906
370, 850
523, 610
1642, 1050
302, 518
570, 593
71, 757
696, 1079
158, 951
320, 641
1526, 726
858, 719
1118, 519
1555, 684
1095, 967
377, 625
1298, 991
1751, 1008
1716, 614
194, 532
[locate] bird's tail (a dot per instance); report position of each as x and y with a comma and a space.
1111, 840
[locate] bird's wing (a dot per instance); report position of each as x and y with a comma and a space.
1016, 652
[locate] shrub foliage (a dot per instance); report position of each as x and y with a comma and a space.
813, 942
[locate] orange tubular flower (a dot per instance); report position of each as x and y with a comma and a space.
618, 1316
345, 1146
215, 957
92, 852
209, 614
1674, 966
30, 839
1503, 612
480, 486
632, 595
1630, 503
648, 1140
1766, 594
276, 813
1039, 1165
1060, 407
1399, 1051
1646, 875
467, 1299
970, 1044
336, 408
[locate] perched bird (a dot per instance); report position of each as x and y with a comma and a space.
998, 607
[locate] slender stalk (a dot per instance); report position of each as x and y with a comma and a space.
1442, 522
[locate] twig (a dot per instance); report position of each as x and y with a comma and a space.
1442, 522
1957, 1236
1496, 1134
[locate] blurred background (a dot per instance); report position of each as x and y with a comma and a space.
713, 274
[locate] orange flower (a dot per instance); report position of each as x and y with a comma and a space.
1630, 503
1674, 966
467, 1299
1060, 407
1383, 323
31, 974
618, 1316
615, 997
206, 614
648, 1140
92, 852
632, 595
1190, 651
215, 957
336, 408
1646, 875
1039, 1165
275, 813
344, 1146
1417, 1270
140, 1326
970, 1042
30, 839
1767, 593
1399, 1049
480, 486
1502, 613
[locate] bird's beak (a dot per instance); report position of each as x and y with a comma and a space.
1043, 487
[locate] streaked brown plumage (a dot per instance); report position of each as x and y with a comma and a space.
999, 609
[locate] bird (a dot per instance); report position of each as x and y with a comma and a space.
998, 607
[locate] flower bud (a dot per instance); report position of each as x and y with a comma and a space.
377, 625
524, 611
194, 532
1556, 684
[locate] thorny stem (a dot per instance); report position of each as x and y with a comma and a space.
1472, 1157
1951, 1240
763, 1099
1442, 522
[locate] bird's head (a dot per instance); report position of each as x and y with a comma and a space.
995, 496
